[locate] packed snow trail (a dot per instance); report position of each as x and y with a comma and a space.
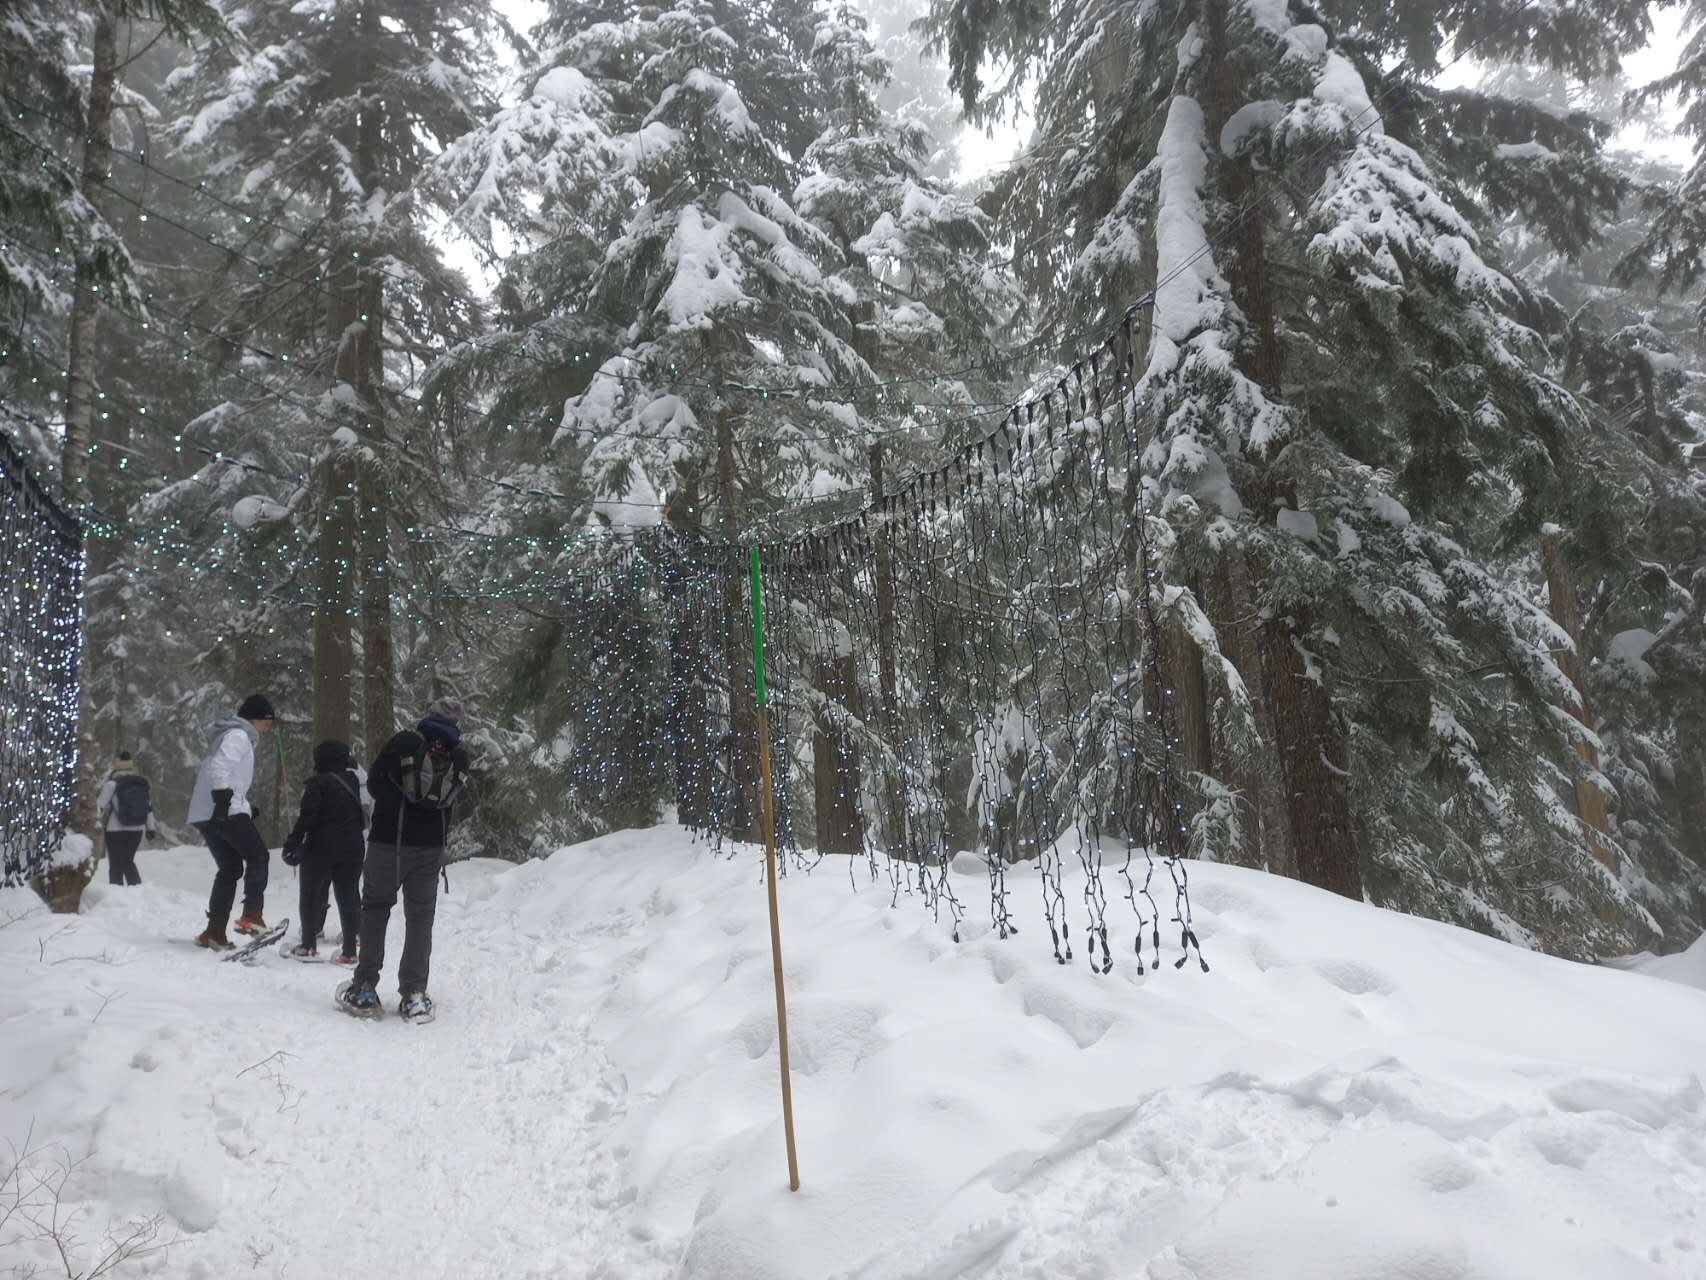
1349, 1094
283, 1138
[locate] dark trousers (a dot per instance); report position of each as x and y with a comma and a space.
413, 869
121, 857
239, 853
320, 879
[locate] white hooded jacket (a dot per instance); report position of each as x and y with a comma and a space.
229, 764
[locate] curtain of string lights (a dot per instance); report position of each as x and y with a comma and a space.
970, 663
41, 547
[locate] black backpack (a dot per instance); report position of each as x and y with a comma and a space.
131, 804
428, 774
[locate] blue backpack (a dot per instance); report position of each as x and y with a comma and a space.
131, 803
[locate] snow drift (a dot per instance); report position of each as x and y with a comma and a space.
1349, 1093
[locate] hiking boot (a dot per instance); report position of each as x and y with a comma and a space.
214, 939
347, 961
416, 1007
358, 1002
250, 922
302, 953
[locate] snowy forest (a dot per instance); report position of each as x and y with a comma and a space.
370, 337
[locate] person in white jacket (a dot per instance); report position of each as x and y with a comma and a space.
126, 816
221, 811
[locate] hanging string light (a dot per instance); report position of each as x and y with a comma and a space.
41, 546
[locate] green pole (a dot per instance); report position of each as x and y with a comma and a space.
758, 628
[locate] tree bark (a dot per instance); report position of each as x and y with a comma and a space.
1566, 612
1262, 782
695, 799
745, 808
80, 401
892, 823
379, 712
333, 648
835, 758
85, 302
1231, 609
1308, 736
367, 358
1182, 661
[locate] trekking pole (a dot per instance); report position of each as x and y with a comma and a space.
769, 824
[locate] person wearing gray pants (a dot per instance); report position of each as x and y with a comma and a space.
415, 783
413, 869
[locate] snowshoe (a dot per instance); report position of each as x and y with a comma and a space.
250, 923
214, 940
347, 962
249, 950
308, 955
358, 1002
416, 1007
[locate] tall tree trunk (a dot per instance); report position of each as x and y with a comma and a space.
892, 823
85, 303
1230, 608
744, 813
835, 755
373, 535
1308, 735
378, 661
80, 404
1183, 663
690, 650
690, 717
1567, 613
1261, 781
333, 649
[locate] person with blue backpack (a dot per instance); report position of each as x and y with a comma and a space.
127, 814
415, 783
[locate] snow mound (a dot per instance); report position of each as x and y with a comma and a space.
1349, 1093
1630, 649
1687, 967
248, 512
73, 851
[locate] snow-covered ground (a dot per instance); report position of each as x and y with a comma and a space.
1348, 1094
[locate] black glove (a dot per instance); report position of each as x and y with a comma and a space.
291, 855
222, 804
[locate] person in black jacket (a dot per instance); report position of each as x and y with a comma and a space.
414, 782
327, 843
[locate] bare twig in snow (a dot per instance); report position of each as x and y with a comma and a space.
289, 1096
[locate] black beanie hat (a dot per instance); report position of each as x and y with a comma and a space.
255, 707
331, 756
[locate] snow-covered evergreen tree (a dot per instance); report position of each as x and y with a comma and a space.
1354, 433
325, 116
48, 223
928, 303
1674, 249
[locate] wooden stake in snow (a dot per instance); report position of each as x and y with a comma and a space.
769, 824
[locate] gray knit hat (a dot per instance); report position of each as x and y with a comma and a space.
445, 709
